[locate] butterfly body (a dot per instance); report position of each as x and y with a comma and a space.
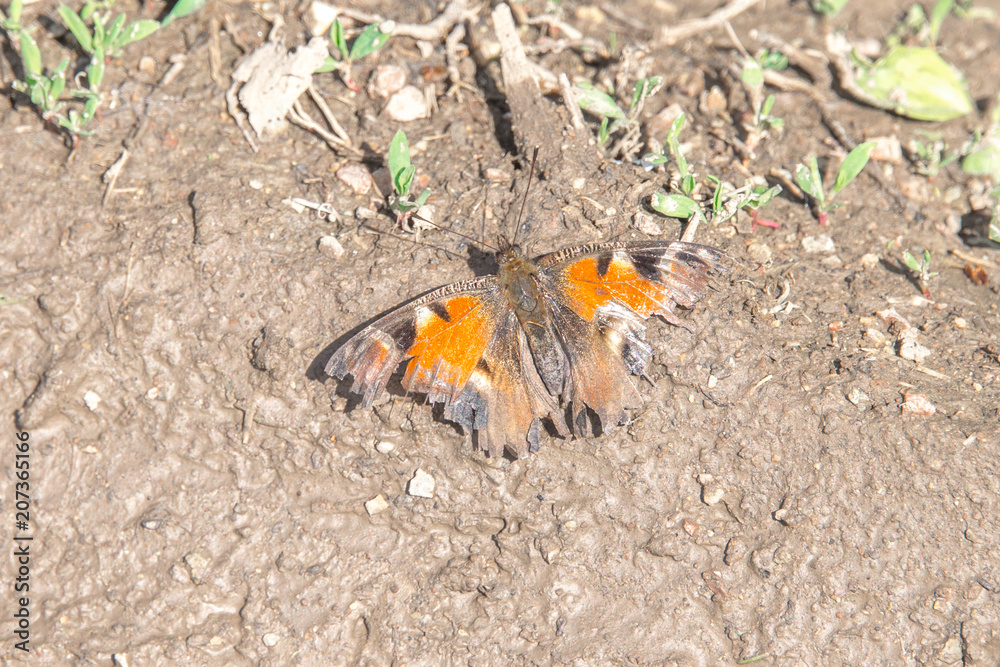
549, 338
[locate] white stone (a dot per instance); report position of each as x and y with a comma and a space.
821, 243
331, 247
356, 177
407, 104
320, 17
386, 80
270, 639
421, 485
92, 400
376, 505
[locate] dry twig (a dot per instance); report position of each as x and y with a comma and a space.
673, 34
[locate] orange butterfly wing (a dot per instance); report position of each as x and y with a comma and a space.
598, 296
466, 350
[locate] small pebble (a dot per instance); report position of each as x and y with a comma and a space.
384, 446
92, 400
331, 247
364, 213
255, 183
270, 639
386, 80
646, 224
320, 17
916, 404
909, 348
858, 397
147, 65
407, 104
356, 177
887, 149
376, 505
960, 323
421, 486
821, 243
869, 260
152, 393
759, 252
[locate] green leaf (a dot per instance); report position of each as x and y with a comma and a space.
58, 80
95, 70
644, 88
337, 37
984, 159
138, 30
603, 132
400, 168
762, 196
765, 109
77, 27
674, 205
655, 158
328, 65
773, 60
15, 8
941, 9
852, 166
809, 179
181, 9
753, 74
31, 56
422, 199
995, 229
113, 32
687, 184
99, 39
598, 102
917, 83
829, 7
371, 39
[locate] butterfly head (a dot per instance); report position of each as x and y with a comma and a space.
507, 251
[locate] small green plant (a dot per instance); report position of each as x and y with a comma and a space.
726, 200
613, 119
371, 39
930, 155
811, 180
402, 173
920, 269
761, 121
829, 7
106, 41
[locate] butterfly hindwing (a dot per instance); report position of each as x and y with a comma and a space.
598, 297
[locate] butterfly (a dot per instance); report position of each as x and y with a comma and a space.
550, 338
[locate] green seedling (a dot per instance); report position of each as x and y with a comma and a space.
11, 22
109, 35
673, 150
811, 181
931, 154
106, 41
613, 118
915, 82
371, 39
920, 269
675, 205
726, 201
984, 158
761, 120
402, 172
829, 7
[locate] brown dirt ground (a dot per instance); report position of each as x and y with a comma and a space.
210, 510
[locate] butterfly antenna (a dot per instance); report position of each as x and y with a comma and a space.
452, 231
524, 201
382, 232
